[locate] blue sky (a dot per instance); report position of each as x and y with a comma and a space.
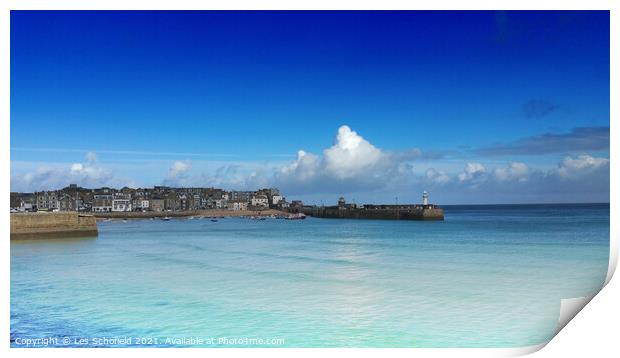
229, 98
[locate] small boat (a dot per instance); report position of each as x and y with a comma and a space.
298, 216
262, 219
166, 218
214, 220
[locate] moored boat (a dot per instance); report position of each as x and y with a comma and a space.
298, 216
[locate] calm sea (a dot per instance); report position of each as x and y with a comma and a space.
488, 276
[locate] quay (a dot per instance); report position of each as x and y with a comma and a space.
52, 224
424, 211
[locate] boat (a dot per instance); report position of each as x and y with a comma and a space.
166, 218
298, 216
214, 220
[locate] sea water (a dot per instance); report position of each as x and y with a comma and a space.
487, 276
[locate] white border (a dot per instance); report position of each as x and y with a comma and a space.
596, 325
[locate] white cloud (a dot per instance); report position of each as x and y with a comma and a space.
515, 171
91, 157
178, 173
572, 168
472, 171
179, 168
304, 168
47, 177
350, 164
351, 155
436, 176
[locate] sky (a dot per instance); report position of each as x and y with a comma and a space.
378, 106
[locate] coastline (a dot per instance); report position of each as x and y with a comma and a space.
188, 213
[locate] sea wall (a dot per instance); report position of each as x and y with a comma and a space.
419, 213
47, 225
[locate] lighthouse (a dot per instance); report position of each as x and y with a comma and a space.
425, 198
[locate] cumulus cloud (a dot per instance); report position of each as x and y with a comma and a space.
48, 177
573, 168
472, 172
351, 164
438, 177
582, 178
306, 167
178, 173
515, 171
351, 155
179, 168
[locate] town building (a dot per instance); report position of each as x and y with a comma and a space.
158, 198
260, 201
47, 201
121, 202
102, 202
237, 205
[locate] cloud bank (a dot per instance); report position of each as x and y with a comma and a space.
578, 140
354, 167
87, 174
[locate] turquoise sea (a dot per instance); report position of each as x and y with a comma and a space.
488, 276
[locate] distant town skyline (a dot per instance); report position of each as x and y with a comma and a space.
474, 107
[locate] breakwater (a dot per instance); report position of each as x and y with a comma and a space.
379, 212
49, 225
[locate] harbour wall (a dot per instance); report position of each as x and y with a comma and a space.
49, 225
406, 213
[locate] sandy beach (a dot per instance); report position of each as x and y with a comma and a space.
161, 214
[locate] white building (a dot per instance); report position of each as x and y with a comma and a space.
221, 204
260, 200
276, 199
121, 202
237, 205
425, 198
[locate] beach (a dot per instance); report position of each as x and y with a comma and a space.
187, 213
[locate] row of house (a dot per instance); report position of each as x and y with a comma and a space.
158, 198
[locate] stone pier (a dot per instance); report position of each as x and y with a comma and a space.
50, 225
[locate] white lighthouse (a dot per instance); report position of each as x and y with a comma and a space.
425, 198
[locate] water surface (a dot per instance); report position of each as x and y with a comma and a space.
488, 276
